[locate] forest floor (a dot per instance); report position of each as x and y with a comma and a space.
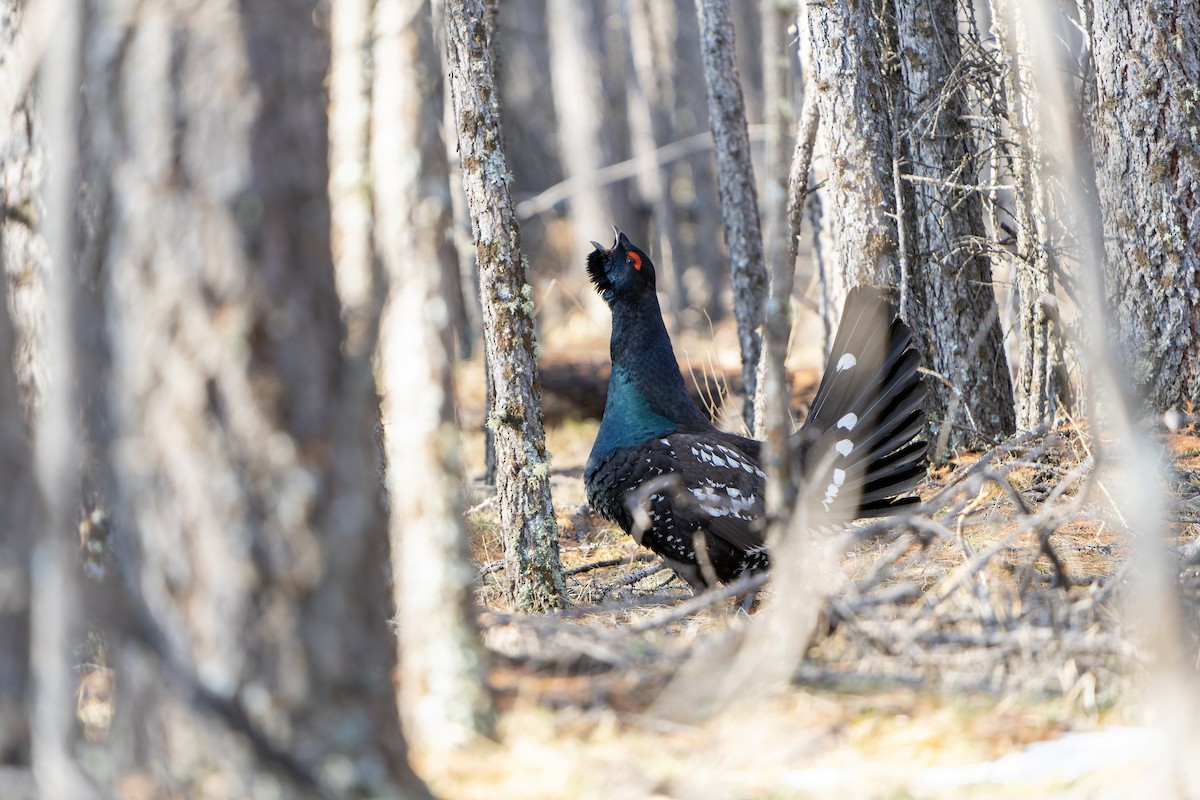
984, 646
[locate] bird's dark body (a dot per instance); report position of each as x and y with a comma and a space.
685, 483
694, 494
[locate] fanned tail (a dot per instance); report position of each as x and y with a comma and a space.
856, 449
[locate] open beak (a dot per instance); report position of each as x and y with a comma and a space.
617, 236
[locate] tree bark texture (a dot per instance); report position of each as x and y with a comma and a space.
1037, 387
22, 167
523, 465
951, 300
249, 516
735, 181
1147, 151
846, 45
443, 702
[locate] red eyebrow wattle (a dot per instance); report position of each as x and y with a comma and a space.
637, 261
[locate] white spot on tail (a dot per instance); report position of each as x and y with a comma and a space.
839, 477
844, 446
831, 493
848, 422
846, 362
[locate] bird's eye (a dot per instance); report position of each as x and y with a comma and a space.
634, 260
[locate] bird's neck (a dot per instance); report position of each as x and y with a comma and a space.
641, 351
628, 417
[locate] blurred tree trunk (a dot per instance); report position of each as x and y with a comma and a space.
443, 701
1147, 89
739, 198
587, 121
523, 465
652, 27
1037, 386
951, 301
60, 452
854, 103
248, 512
349, 172
785, 187
705, 286
22, 246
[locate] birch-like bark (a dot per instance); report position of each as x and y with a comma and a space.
443, 702
735, 180
951, 301
522, 463
1145, 123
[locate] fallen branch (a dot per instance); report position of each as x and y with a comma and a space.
612, 562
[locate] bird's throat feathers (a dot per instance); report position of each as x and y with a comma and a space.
643, 358
628, 417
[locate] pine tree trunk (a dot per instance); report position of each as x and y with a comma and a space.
846, 45
951, 302
523, 465
1147, 79
735, 180
443, 701
243, 443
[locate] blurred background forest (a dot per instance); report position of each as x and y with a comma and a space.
299, 368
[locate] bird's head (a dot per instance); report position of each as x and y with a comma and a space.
622, 271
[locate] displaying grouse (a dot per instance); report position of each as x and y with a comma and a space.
677, 484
